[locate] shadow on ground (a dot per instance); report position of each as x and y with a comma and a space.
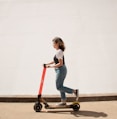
89, 113
82, 113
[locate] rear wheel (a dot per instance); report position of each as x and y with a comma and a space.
76, 107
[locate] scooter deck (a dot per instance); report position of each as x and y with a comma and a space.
62, 107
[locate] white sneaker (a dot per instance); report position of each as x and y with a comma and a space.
61, 104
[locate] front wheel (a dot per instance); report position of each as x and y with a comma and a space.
37, 106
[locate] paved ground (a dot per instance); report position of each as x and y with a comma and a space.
92, 110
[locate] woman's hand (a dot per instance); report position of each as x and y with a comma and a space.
46, 66
49, 65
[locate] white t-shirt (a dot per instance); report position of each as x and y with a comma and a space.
59, 54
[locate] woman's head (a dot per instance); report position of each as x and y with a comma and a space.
58, 43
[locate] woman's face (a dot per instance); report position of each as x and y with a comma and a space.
55, 45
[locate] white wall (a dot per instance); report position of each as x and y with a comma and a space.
89, 29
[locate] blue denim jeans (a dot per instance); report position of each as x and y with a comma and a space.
60, 77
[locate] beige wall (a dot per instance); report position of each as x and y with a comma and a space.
89, 29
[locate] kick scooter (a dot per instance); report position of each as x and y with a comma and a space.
38, 106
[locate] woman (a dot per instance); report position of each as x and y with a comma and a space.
59, 64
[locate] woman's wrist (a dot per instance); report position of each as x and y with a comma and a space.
49, 66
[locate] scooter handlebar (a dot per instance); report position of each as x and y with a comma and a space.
44, 65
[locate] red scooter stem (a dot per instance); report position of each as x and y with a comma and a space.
42, 80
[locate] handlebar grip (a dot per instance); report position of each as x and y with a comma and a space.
44, 65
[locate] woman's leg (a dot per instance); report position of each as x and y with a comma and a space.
60, 76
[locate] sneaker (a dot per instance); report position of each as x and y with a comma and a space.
76, 94
61, 104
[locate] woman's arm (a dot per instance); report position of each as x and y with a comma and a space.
50, 63
59, 64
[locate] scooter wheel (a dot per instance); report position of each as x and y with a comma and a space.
37, 107
76, 107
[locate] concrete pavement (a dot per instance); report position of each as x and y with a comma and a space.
92, 110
